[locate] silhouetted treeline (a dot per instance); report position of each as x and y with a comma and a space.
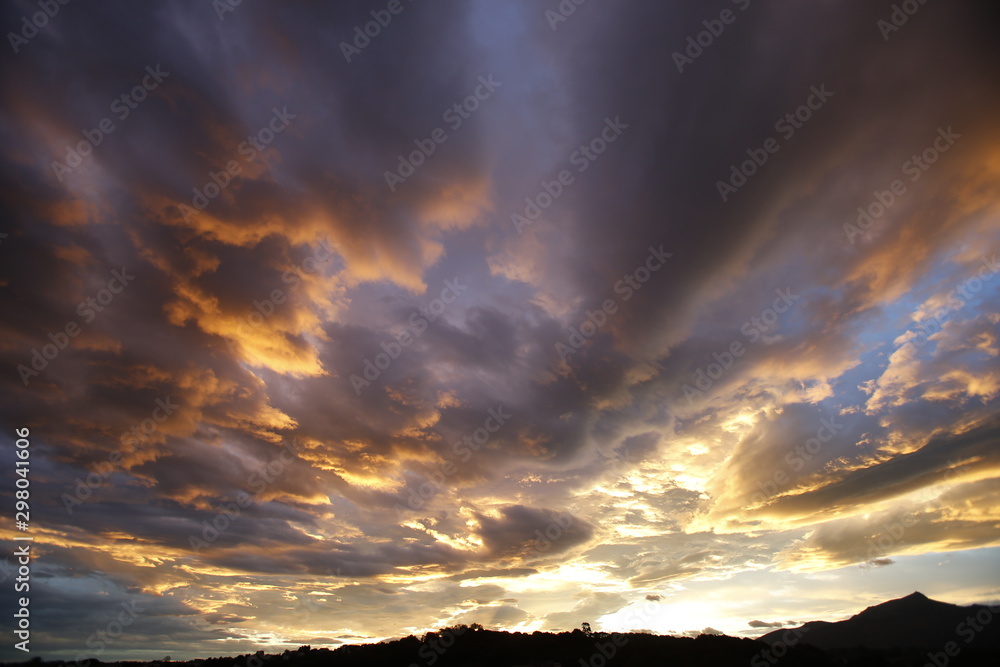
464, 646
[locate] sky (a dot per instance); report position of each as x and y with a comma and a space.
336, 322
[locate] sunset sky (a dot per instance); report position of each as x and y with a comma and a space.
653, 315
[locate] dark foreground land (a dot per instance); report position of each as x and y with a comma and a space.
455, 647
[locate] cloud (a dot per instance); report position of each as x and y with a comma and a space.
587, 610
864, 398
531, 533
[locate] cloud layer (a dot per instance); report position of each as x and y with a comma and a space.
521, 320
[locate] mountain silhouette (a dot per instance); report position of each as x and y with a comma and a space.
914, 621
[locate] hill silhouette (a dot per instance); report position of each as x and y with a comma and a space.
465, 647
914, 621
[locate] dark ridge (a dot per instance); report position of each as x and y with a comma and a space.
914, 621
